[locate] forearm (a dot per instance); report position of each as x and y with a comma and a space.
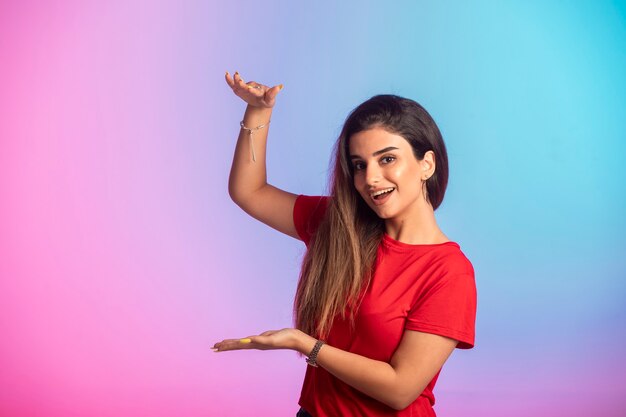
415, 362
375, 378
248, 176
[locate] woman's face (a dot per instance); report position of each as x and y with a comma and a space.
386, 173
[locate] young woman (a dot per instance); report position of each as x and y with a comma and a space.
384, 297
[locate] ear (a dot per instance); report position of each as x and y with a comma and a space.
428, 165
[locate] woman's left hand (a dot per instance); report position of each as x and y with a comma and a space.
271, 339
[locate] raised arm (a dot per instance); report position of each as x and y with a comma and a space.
247, 184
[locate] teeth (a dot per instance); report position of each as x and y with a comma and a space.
386, 190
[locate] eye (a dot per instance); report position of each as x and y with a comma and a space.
358, 165
387, 159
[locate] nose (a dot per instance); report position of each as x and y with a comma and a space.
372, 174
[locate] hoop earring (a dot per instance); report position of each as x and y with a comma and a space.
425, 188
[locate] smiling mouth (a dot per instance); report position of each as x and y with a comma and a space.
381, 194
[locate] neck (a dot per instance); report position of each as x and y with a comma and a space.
420, 228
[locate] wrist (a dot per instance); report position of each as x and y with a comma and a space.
257, 115
305, 343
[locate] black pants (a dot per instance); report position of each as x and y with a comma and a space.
303, 413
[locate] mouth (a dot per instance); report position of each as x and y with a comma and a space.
381, 196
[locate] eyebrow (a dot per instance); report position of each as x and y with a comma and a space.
387, 149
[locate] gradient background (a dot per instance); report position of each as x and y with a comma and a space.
122, 258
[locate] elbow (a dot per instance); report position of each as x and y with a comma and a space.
232, 190
239, 201
402, 400
242, 196
399, 404
236, 194
243, 199
233, 194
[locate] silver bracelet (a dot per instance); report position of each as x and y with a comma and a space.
312, 359
250, 130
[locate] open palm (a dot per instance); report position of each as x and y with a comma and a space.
271, 339
253, 93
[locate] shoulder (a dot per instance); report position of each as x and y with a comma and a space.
455, 275
454, 260
447, 265
447, 257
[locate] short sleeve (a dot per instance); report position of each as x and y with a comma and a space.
447, 308
308, 212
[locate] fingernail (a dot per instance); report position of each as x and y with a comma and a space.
246, 340
236, 72
226, 72
215, 349
280, 87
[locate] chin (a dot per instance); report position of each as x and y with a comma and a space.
383, 214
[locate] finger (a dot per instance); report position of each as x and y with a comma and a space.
238, 80
263, 342
258, 90
227, 347
273, 92
229, 80
224, 342
232, 344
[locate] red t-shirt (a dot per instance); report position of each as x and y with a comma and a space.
427, 288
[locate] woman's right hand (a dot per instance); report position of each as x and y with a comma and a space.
253, 93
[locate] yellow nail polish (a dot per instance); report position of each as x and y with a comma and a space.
246, 340
280, 87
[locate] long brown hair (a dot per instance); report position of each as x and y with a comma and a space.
337, 266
